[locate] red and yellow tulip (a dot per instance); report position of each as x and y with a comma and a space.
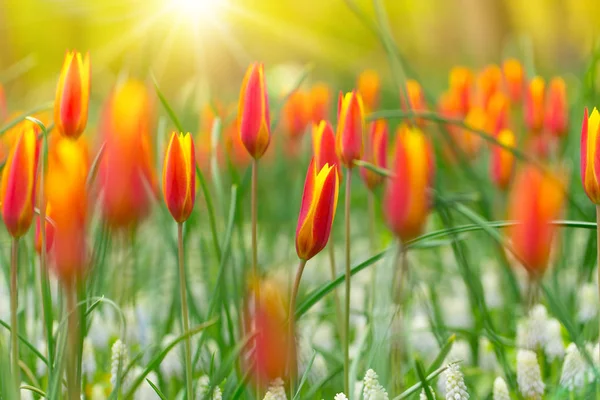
489, 81
319, 202
498, 112
556, 115
590, 156
350, 129
407, 198
369, 85
376, 149
514, 79
179, 176
415, 98
534, 105
323, 140
253, 112
502, 160
461, 83
469, 141
535, 201
19, 183
73, 95
319, 98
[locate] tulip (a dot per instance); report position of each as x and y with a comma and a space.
416, 99
498, 111
126, 175
469, 141
556, 117
253, 112
296, 113
514, 79
323, 139
179, 176
534, 105
319, 202
234, 148
73, 95
590, 159
461, 83
49, 232
489, 81
502, 160
377, 147
536, 200
319, 98
407, 198
351, 125
19, 183
368, 85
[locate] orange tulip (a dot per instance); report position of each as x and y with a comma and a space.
556, 115
73, 95
49, 232
368, 85
514, 79
234, 148
534, 105
126, 175
469, 141
67, 194
502, 160
590, 158
461, 83
320, 97
319, 202
253, 112
498, 111
296, 113
350, 129
324, 146
377, 147
536, 200
179, 176
489, 81
416, 99
407, 198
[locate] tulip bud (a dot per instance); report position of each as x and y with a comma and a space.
556, 117
324, 147
489, 81
319, 96
416, 99
498, 112
319, 202
377, 147
534, 105
590, 159
461, 83
514, 79
179, 176
536, 200
296, 114
368, 85
73, 95
502, 160
407, 198
49, 232
19, 183
350, 129
253, 112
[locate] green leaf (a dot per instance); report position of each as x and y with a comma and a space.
415, 388
156, 389
423, 379
21, 117
26, 343
444, 351
305, 375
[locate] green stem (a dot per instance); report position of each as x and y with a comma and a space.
253, 212
292, 321
184, 314
73, 383
336, 298
598, 247
14, 303
346, 337
372, 245
397, 295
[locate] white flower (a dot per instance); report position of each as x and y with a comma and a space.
500, 389
554, 346
276, 391
587, 301
340, 396
204, 385
574, 369
372, 390
88, 360
487, 357
144, 391
532, 331
423, 396
455, 384
119, 360
529, 377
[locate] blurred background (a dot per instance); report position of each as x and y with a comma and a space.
200, 48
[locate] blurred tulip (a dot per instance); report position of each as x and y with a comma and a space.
253, 112
461, 83
324, 146
319, 202
126, 175
209, 113
534, 105
498, 112
556, 115
3, 106
489, 81
179, 176
49, 226
590, 155
514, 79
536, 200
350, 129
19, 183
469, 141
416, 99
234, 148
67, 194
269, 320
296, 113
502, 160
368, 85
376, 149
73, 95
407, 198
319, 98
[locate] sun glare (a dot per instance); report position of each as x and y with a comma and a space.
197, 9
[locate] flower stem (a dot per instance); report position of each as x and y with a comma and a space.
292, 323
372, 245
598, 247
73, 337
253, 212
14, 303
398, 288
184, 313
336, 298
346, 337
